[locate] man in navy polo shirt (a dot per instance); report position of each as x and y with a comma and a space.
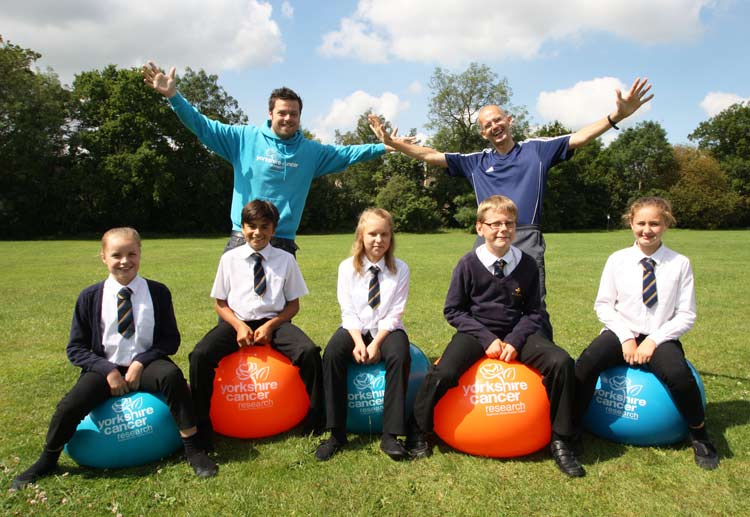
519, 170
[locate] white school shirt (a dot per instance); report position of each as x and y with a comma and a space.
619, 303
352, 292
118, 349
512, 257
235, 282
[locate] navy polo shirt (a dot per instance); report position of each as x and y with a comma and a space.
520, 175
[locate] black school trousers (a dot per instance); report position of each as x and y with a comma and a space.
336, 361
159, 376
667, 363
552, 362
222, 341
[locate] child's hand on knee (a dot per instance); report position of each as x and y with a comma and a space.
494, 350
629, 347
360, 353
644, 351
509, 353
133, 375
117, 385
245, 336
373, 353
263, 334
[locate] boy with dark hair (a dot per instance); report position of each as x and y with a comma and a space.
494, 303
257, 290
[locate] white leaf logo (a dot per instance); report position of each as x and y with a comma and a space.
364, 381
496, 371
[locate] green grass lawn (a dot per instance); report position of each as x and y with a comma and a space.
39, 283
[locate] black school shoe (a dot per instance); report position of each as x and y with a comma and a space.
418, 445
203, 466
328, 448
394, 448
565, 459
26, 478
706, 456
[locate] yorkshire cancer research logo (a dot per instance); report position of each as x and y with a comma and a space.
497, 390
130, 419
253, 390
275, 160
619, 396
368, 393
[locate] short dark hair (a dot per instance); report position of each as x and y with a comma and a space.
286, 94
260, 209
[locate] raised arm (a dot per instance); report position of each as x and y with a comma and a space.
418, 152
156, 79
624, 107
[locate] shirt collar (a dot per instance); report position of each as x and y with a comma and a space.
487, 259
110, 284
657, 256
248, 251
380, 264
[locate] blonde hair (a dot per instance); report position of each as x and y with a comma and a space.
497, 202
358, 248
661, 204
125, 231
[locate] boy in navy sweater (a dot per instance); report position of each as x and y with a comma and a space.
122, 333
494, 303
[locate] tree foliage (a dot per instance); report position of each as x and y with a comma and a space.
727, 137
640, 162
32, 143
702, 198
109, 151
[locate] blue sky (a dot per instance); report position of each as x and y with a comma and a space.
562, 59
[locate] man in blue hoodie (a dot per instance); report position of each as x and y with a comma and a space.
273, 162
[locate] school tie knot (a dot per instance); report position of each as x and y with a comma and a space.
499, 265
649, 282
125, 322
373, 293
259, 275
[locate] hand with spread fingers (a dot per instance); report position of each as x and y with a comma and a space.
158, 80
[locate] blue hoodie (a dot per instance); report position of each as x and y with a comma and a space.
267, 167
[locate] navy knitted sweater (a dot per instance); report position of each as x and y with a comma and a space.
487, 307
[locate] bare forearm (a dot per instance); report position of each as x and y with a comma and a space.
591, 132
418, 152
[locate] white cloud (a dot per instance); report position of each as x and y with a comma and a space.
716, 102
585, 102
452, 33
352, 40
287, 10
344, 113
80, 35
415, 87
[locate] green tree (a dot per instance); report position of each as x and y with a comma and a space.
135, 162
412, 209
727, 137
640, 162
576, 195
702, 198
32, 138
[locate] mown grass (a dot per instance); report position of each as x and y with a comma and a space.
39, 282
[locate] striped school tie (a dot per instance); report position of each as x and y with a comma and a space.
373, 293
649, 282
259, 275
125, 323
499, 265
